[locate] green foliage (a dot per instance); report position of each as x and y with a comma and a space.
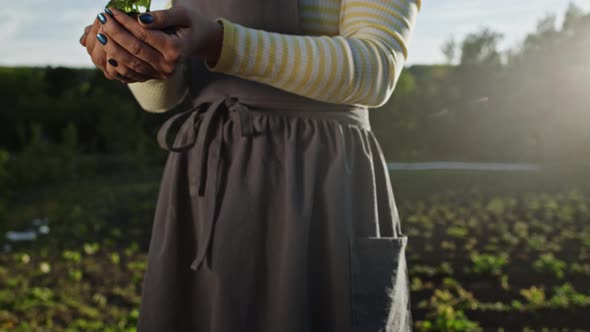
4, 177
566, 296
447, 306
487, 264
41, 161
73, 106
581, 269
4, 156
502, 236
79, 280
448, 319
481, 48
457, 232
95, 257
549, 263
535, 296
494, 105
130, 6
95, 297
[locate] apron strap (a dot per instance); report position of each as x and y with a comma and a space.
205, 124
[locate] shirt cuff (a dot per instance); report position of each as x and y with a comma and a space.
229, 52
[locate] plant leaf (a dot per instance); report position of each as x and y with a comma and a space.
130, 6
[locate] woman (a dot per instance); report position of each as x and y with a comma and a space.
275, 210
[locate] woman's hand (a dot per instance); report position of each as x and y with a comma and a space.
151, 46
99, 56
112, 57
188, 32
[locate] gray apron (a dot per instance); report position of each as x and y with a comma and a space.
275, 212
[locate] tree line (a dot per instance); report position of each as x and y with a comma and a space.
528, 104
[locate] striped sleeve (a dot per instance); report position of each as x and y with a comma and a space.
360, 65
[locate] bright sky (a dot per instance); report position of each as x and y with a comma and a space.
46, 32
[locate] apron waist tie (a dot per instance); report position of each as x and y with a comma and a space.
206, 136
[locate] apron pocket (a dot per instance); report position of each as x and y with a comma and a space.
380, 289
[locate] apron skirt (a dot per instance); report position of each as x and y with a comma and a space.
275, 213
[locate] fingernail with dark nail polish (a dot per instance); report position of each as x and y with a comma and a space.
113, 62
146, 18
101, 18
102, 38
108, 11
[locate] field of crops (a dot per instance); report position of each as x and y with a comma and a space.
486, 251
509, 261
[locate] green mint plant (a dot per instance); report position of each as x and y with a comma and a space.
131, 6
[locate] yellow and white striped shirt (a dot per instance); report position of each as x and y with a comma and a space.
353, 52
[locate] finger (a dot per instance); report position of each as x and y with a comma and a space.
92, 29
90, 45
158, 40
135, 40
160, 19
99, 59
110, 72
123, 79
122, 71
126, 59
91, 42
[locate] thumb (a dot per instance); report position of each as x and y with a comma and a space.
161, 19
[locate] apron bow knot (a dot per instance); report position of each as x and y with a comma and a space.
206, 136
